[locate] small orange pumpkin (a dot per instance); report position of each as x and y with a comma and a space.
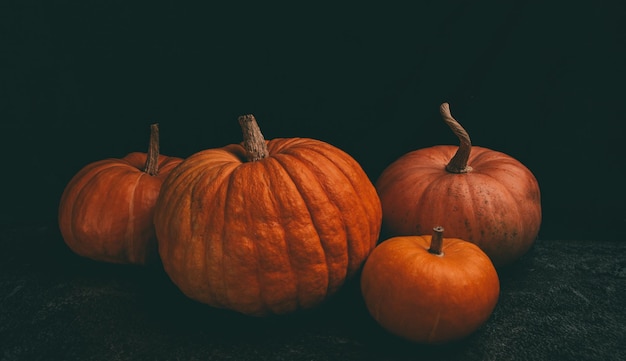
106, 209
266, 227
484, 196
429, 289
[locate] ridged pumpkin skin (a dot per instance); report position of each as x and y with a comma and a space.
269, 236
429, 298
106, 209
495, 204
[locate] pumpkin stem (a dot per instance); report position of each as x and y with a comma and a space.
458, 163
436, 243
152, 161
253, 141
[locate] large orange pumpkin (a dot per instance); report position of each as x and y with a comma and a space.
430, 289
106, 209
483, 196
266, 227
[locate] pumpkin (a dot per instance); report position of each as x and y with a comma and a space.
484, 196
429, 289
106, 209
266, 227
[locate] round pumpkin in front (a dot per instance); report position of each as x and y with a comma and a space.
430, 292
266, 227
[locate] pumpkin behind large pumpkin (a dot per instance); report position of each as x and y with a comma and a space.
106, 209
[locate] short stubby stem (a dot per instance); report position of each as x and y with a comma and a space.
253, 140
436, 243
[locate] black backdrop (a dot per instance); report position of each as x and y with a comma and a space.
82, 80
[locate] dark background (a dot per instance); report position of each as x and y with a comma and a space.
542, 82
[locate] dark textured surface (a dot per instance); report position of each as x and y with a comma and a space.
563, 300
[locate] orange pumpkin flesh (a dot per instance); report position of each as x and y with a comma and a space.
429, 293
484, 196
106, 209
266, 227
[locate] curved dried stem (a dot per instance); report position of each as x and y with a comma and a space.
458, 163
